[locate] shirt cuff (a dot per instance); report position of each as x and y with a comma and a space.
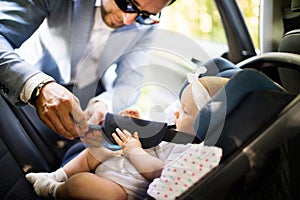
31, 84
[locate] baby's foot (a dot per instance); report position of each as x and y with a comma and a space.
58, 175
43, 185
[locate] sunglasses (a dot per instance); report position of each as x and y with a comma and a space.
143, 17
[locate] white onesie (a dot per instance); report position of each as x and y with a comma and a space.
120, 170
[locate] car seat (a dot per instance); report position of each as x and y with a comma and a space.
283, 67
259, 117
17, 154
282, 63
25, 145
215, 67
266, 165
290, 43
247, 119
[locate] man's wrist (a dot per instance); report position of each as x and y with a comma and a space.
37, 91
31, 84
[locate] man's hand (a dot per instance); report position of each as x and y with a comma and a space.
59, 109
95, 111
93, 137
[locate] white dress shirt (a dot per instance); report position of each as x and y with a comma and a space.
86, 70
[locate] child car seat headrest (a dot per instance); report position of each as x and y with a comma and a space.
215, 67
211, 117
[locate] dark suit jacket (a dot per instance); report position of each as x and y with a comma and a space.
61, 39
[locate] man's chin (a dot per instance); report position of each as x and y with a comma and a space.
113, 25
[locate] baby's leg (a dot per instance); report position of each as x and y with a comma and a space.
88, 160
84, 162
90, 186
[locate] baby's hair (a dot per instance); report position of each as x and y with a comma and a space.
213, 83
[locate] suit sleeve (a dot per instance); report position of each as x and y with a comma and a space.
19, 19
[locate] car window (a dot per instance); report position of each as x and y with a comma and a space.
200, 20
250, 9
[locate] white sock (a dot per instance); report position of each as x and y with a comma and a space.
43, 185
46, 183
59, 175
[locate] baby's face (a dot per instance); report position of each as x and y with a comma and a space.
185, 117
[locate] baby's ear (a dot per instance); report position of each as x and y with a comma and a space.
176, 113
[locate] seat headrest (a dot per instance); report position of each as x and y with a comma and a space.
290, 42
211, 117
215, 67
295, 5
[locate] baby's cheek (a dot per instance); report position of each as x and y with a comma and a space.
188, 127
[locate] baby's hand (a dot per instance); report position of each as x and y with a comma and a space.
130, 112
126, 141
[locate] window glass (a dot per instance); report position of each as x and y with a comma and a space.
200, 20
195, 18
250, 10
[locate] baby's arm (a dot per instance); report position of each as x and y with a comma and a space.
148, 166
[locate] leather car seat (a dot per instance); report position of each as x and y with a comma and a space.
256, 122
290, 78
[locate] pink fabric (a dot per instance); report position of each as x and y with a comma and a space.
193, 164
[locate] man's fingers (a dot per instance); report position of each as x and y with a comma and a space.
79, 116
48, 123
60, 117
53, 122
55, 107
93, 137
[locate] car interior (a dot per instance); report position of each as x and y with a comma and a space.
259, 133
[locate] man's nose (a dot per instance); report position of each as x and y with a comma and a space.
129, 18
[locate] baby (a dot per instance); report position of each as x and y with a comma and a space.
99, 173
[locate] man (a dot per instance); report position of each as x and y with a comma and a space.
63, 32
